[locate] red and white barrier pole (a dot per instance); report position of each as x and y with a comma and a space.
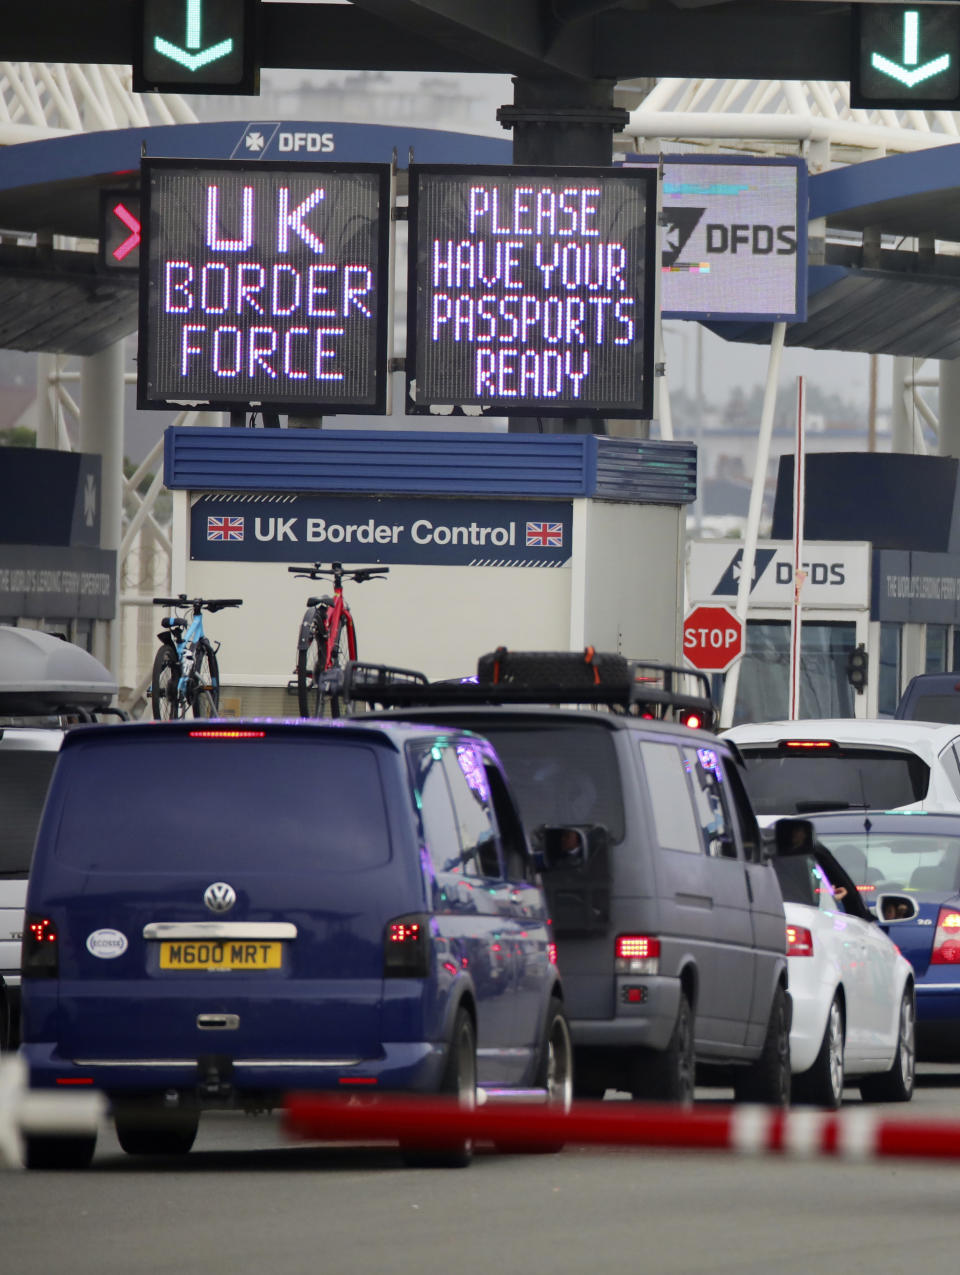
859, 1133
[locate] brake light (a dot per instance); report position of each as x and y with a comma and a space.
693, 720
808, 743
946, 940
799, 941
636, 954
40, 950
406, 948
552, 953
227, 734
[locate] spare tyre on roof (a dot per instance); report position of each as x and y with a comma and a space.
41, 673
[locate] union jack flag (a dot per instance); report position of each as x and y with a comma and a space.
545, 534
225, 528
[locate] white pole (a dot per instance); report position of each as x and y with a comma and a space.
753, 516
799, 575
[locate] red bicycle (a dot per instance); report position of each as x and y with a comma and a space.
327, 639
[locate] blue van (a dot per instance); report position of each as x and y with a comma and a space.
220, 912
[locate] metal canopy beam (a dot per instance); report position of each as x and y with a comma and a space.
742, 39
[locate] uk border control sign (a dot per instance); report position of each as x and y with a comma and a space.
734, 237
267, 285
531, 291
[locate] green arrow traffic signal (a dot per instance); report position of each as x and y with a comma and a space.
197, 46
906, 56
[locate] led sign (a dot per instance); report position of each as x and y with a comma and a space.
197, 46
120, 229
906, 56
733, 240
531, 291
266, 285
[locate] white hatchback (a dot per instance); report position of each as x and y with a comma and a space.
822, 764
854, 1007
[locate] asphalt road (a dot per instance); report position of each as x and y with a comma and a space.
248, 1202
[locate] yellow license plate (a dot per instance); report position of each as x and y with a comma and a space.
221, 954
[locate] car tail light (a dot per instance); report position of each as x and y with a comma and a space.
552, 953
637, 954
40, 950
406, 947
799, 941
227, 734
946, 940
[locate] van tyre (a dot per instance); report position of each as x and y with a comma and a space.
822, 1085
767, 1080
43, 1152
896, 1085
460, 1080
554, 1076
669, 1075
166, 1133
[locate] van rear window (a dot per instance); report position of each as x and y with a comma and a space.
560, 773
174, 803
843, 779
936, 708
24, 779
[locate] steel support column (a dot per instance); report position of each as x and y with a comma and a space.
101, 432
562, 121
949, 407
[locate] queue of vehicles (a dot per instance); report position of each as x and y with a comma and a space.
405, 877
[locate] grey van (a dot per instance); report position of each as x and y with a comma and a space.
668, 917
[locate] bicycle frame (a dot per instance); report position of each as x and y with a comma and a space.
188, 640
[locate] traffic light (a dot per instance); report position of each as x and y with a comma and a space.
906, 56
197, 46
857, 668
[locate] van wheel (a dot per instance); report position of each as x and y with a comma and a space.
43, 1152
460, 1079
896, 1085
669, 1075
822, 1085
768, 1079
554, 1075
166, 1133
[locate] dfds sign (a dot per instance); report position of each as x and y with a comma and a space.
531, 290
266, 287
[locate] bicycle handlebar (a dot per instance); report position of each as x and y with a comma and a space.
198, 604
357, 574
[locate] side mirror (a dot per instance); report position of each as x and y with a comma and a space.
895, 907
564, 847
793, 837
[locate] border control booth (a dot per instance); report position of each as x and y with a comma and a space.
882, 554
528, 541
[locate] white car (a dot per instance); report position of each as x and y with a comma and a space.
854, 1007
821, 764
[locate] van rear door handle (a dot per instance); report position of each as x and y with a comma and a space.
218, 1022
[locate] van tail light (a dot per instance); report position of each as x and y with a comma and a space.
946, 940
406, 947
636, 954
40, 950
799, 941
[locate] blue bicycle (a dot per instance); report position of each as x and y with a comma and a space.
186, 676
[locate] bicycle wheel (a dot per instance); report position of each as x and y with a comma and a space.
163, 684
332, 704
205, 684
309, 664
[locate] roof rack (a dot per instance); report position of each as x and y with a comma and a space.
641, 688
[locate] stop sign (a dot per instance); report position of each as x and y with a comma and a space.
712, 638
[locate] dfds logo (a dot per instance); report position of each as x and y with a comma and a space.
311, 142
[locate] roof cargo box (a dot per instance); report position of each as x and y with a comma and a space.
43, 674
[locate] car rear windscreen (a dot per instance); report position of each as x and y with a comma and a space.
24, 779
175, 803
782, 783
936, 708
561, 773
